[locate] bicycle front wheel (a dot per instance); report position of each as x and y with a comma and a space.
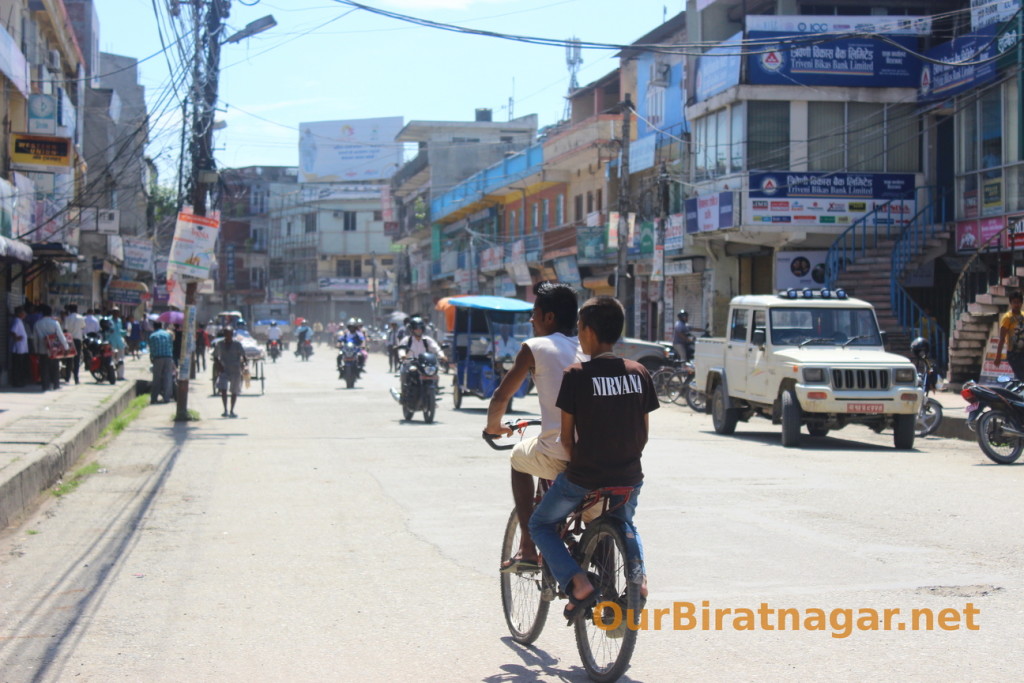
606, 642
523, 594
661, 379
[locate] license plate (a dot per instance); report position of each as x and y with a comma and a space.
865, 407
972, 407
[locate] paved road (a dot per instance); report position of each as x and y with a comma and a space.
318, 537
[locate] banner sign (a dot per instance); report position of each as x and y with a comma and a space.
800, 269
970, 235
718, 69
127, 292
590, 244
987, 12
192, 248
968, 62
674, 231
40, 150
706, 213
780, 58
804, 23
492, 259
343, 284
829, 198
567, 270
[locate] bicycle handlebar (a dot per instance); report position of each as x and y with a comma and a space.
515, 425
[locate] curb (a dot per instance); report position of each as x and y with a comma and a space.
954, 428
47, 465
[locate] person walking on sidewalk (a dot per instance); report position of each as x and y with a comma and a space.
115, 335
228, 363
160, 353
1011, 336
74, 323
48, 328
19, 349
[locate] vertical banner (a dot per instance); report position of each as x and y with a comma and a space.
658, 263
192, 248
613, 229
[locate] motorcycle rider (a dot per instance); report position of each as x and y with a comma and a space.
681, 337
354, 335
273, 334
415, 344
303, 334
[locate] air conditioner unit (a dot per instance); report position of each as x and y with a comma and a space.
53, 61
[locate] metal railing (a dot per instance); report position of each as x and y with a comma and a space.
864, 234
928, 221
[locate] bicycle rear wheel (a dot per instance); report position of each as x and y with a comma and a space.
677, 386
661, 379
607, 648
522, 595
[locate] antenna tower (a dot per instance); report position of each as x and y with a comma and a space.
573, 59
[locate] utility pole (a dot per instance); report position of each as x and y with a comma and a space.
624, 204
205, 72
659, 248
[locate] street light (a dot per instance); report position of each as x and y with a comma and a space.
252, 28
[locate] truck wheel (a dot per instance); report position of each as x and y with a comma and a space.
903, 431
724, 419
790, 419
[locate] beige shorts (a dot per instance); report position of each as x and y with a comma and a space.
230, 382
527, 457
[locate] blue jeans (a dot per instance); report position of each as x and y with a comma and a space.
558, 502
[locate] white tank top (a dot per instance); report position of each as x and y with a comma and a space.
551, 356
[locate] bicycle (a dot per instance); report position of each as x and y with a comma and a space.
675, 383
606, 634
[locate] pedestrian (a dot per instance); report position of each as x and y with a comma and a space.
115, 335
19, 349
202, 342
394, 338
228, 362
31, 316
1011, 336
51, 345
92, 323
134, 335
318, 332
74, 323
161, 355
605, 404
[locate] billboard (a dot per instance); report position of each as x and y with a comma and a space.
355, 149
829, 199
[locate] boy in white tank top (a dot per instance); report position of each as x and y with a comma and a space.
547, 354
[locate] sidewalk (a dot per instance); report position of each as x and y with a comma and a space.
954, 417
42, 434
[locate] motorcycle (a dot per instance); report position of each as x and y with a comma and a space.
929, 417
305, 349
98, 357
996, 414
420, 389
348, 363
274, 349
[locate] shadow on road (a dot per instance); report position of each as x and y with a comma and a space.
807, 442
537, 665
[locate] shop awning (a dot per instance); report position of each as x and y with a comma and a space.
54, 251
13, 250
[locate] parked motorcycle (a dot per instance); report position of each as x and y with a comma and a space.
98, 358
996, 414
349, 363
929, 417
420, 389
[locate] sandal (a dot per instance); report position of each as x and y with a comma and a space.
581, 605
517, 565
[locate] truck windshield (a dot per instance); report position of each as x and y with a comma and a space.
824, 326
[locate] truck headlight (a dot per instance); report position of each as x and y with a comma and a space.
905, 376
814, 375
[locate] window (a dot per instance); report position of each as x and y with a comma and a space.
560, 209
590, 202
578, 207
378, 215
860, 136
737, 137
513, 223
343, 269
768, 136
738, 328
309, 222
536, 217
990, 179
599, 200
545, 214
348, 221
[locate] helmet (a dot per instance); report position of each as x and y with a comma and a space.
417, 324
920, 347
273, 323
352, 322
682, 312
359, 321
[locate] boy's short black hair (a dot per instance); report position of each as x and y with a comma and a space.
1016, 295
605, 316
558, 298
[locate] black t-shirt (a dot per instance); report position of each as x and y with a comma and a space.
609, 398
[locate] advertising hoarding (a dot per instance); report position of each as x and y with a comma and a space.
967, 62
799, 269
709, 212
829, 199
354, 149
718, 69
192, 249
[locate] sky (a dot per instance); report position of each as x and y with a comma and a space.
324, 61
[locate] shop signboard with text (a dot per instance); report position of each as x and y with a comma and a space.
973, 234
709, 212
829, 199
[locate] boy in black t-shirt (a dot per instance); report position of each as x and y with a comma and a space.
604, 402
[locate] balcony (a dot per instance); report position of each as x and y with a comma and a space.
464, 197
